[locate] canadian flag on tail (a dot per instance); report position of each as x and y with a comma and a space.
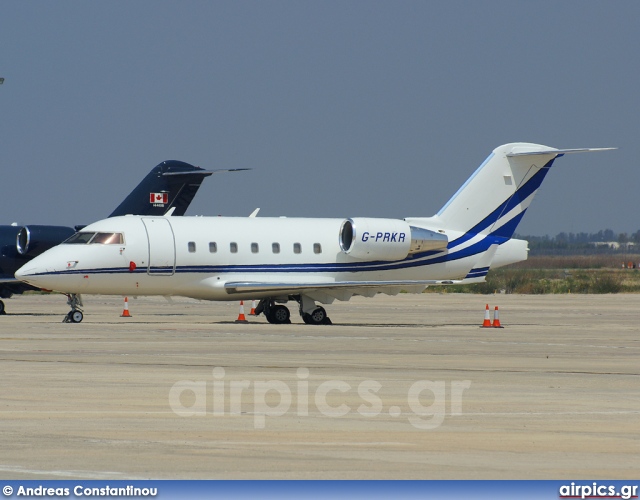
159, 198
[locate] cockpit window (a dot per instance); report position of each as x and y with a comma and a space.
80, 238
91, 238
108, 239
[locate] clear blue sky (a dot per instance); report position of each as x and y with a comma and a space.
342, 108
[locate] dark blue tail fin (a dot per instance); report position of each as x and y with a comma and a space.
171, 184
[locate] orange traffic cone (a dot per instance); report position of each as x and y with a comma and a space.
253, 308
241, 318
487, 320
496, 319
125, 312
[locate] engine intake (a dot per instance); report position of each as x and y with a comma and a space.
34, 240
386, 239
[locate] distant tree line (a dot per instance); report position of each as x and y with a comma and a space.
583, 243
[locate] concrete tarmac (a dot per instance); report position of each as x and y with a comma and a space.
398, 387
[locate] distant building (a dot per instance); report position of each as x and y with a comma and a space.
614, 245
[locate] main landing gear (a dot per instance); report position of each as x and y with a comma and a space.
75, 315
317, 317
4, 294
279, 314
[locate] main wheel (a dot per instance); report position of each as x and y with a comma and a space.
279, 315
2, 311
317, 317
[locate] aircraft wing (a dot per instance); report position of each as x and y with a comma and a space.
327, 292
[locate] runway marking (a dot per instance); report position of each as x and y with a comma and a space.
543, 413
90, 412
303, 443
326, 367
248, 414
70, 473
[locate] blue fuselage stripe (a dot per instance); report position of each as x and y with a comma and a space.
518, 197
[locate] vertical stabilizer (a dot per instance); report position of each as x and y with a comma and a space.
496, 196
171, 184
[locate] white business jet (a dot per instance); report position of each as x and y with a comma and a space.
304, 260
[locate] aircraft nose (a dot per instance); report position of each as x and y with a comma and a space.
21, 273
30, 273
25, 272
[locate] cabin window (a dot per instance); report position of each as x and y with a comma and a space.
275, 247
192, 246
233, 247
213, 247
297, 248
317, 248
254, 248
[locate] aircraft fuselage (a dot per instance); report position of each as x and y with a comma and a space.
197, 256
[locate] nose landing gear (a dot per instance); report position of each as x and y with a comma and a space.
75, 315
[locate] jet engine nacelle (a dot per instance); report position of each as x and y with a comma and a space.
386, 239
34, 240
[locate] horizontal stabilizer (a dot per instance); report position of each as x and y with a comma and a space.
556, 151
204, 173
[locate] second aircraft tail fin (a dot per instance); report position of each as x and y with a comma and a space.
170, 184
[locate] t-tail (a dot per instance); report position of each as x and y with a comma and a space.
170, 184
487, 209
495, 198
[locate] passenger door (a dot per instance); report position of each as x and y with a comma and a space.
162, 246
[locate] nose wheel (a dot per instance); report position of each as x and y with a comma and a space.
74, 317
